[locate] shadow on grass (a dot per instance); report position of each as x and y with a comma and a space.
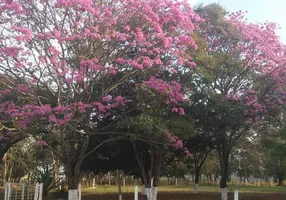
190, 196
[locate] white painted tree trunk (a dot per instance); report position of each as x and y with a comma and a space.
79, 191
73, 195
224, 194
196, 189
154, 193
235, 194
136, 193
143, 190
41, 191
149, 193
120, 197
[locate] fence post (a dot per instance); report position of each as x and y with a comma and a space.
41, 191
136, 193
60, 185
93, 182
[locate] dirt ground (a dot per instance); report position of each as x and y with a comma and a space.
190, 196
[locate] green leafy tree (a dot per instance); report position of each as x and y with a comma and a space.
231, 83
276, 149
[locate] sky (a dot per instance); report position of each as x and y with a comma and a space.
258, 11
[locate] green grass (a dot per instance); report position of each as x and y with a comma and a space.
104, 189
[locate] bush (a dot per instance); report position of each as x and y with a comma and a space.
46, 177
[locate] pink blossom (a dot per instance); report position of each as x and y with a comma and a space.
175, 110
119, 99
157, 61
41, 36
57, 34
173, 70
22, 88
121, 61
5, 92
139, 36
67, 117
157, 28
107, 98
11, 51
127, 28
61, 122
181, 111
41, 143
174, 141
52, 118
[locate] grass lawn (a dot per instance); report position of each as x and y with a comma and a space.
184, 188
184, 192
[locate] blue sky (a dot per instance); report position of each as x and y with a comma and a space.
258, 11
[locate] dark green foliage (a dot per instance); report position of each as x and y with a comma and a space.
45, 176
60, 193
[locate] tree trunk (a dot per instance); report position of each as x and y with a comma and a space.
156, 172
280, 179
119, 192
56, 166
73, 176
149, 159
224, 194
6, 167
119, 183
197, 177
151, 188
144, 194
10, 173
224, 178
223, 152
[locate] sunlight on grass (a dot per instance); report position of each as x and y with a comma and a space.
103, 189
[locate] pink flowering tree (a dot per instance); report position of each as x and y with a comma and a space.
69, 59
9, 136
239, 77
